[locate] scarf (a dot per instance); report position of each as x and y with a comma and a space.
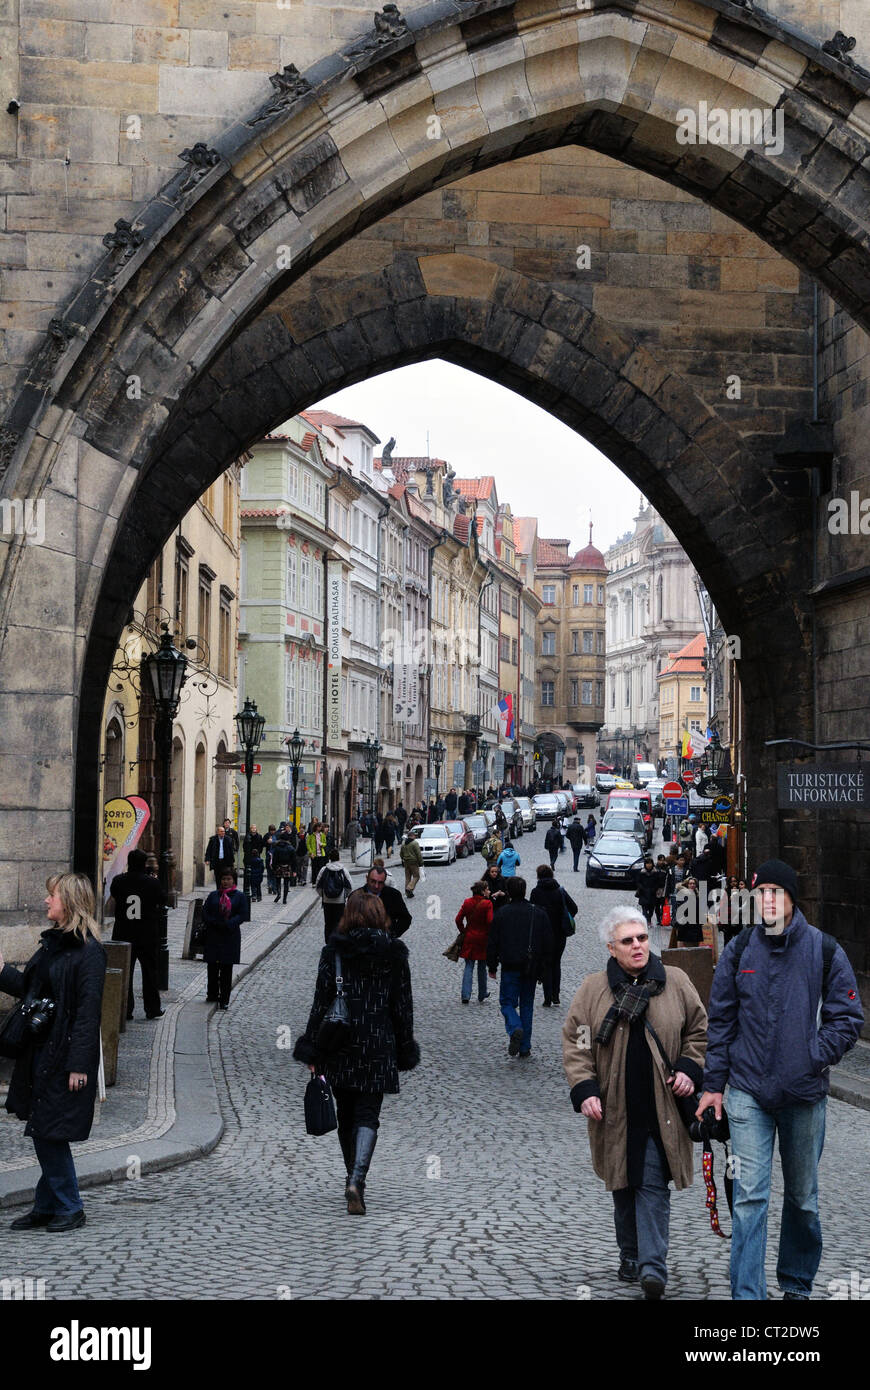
630, 995
226, 905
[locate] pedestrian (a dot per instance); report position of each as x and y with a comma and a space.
411, 856
521, 941
464, 804
300, 856
508, 861
391, 830
139, 903
220, 852
376, 982
773, 1038
613, 1065
553, 842
252, 842
451, 801
501, 824
647, 883
398, 916
401, 820
315, 843
687, 919
591, 830
283, 864
54, 1079
561, 908
702, 840
496, 886
577, 839
474, 920
334, 886
255, 870
662, 867
352, 834
492, 847
735, 908
231, 834
223, 913
268, 842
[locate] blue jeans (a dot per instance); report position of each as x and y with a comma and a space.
57, 1190
517, 992
801, 1130
642, 1217
468, 979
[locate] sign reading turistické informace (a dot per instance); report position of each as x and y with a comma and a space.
818, 785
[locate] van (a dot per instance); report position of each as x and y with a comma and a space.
639, 801
643, 773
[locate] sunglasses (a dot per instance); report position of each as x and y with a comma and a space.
627, 940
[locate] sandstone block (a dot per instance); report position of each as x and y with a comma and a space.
202, 91
118, 86
87, 135
51, 38
208, 48
109, 41
254, 52
161, 45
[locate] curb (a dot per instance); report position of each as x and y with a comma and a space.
198, 1125
854, 1092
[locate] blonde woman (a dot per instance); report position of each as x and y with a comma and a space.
54, 1081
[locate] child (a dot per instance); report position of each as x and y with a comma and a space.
257, 867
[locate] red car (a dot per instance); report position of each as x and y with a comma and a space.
461, 837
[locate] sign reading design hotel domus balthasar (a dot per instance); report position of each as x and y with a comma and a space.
821, 784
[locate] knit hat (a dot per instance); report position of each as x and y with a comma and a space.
775, 871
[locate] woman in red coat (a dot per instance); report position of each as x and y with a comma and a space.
474, 919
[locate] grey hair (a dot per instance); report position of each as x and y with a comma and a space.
615, 917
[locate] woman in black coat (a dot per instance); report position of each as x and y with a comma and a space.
54, 1081
377, 987
223, 914
557, 903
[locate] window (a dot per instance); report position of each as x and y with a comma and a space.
627, 691
290, 691
514, 652
504, 649
587, 593
548, 593
181, 590
659, 597
548, 692
575, 643
203, 616
548, 644
573, 697
575, 594
695, 694
587, 641
306, 490
292, 478
586, 692
599, 642
228, 519
356, 529
318, 590
318, 498
613, 695
695, 724
304, 583
599, 692
224, 633
208, 499
292, 591
514, 606
154, 593
600, 593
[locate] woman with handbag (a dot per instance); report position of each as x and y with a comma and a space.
474, 920
54, 1036
561, 909
223, 913
365, 967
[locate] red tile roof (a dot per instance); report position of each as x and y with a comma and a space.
461, 528
524, 533
263, 511
590, 558
551, 552
688, 659
475, 487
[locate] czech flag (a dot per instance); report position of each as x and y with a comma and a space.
505, 711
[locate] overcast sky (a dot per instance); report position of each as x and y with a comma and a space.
541, 467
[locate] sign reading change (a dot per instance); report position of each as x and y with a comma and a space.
821, 784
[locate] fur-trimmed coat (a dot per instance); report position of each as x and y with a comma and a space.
377, 986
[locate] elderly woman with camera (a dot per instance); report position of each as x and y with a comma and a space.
621, 1022
54, 1035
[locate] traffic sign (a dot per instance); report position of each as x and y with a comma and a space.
688, 777
678, 805
672, 789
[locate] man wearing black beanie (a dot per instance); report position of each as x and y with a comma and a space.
784, 1008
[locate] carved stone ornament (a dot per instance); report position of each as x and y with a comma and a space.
389, 26
59, 334
200, 159
123, 242
839, 47
289, 86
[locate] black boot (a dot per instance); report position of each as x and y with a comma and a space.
347, 1153
365, 1140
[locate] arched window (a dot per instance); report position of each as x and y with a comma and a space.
659, 597
113, 776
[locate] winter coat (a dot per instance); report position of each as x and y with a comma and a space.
576, 835
593, 1069
141, 895
474, 920
411, 853
377, 987
555, 901
520, 939
283, 857
508, 861
229, 854
256, 871
647, 886
765, 1036
346, 887
553, 839
39, 1089
223, 935
491, 848
390, 831
450, 804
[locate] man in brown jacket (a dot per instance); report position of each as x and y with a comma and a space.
620, 1083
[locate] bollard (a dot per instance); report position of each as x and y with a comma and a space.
119, 955
113, 1001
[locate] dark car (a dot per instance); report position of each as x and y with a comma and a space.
585, 795
476, 823
613, 861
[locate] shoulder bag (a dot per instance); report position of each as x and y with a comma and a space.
334, 1032
319, 1107
687, 1105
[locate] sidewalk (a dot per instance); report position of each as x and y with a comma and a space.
163, 1109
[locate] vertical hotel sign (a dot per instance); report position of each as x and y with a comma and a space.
333, 669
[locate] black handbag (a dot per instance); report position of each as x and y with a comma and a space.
334, 1032
686, 1105
319, 1107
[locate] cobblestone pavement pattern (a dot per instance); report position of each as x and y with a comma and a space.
481, 1185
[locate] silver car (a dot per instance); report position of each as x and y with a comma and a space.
437, 845
625, 823
530, 820
547, 806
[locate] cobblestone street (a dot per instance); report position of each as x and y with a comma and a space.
481, 1185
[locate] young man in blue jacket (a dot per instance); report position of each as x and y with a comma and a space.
776, 1026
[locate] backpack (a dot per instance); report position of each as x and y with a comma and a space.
829, 946
333, 883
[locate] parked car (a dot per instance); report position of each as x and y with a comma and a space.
566, 802
513, 815
585, 795
613, 862
547, 805
619, 822
478, 825
489, 817
436, 844
530, 820
605, 781
462, 837
636, 801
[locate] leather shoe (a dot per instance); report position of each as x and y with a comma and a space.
515, 1042
32, 1220
160, 1015
67, 1223
627, 1271
652, 1286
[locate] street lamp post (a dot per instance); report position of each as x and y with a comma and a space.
249, 730
296, 747
371, 753
167, 672
436, 754
482, 752
516, 749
